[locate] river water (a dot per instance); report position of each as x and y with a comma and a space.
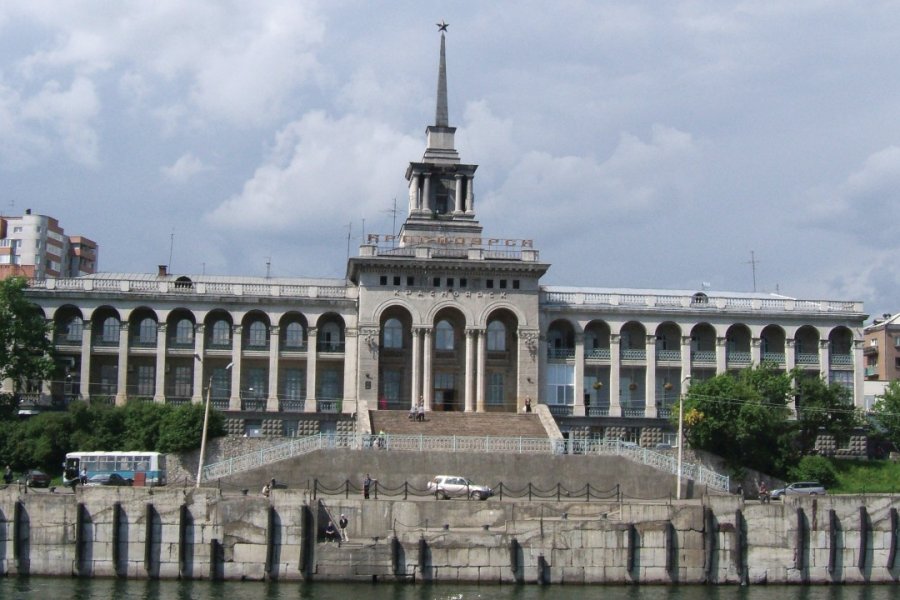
43, 588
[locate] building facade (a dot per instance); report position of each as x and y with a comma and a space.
35, 246
440, 314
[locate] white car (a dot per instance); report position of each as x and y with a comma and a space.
449, 486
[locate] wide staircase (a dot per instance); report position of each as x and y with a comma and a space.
397, 422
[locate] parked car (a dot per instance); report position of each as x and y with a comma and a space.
36, 478
108, 479
449, 486
800, 488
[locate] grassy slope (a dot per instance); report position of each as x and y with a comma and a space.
866, 477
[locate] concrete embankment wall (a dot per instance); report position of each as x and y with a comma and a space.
206, 534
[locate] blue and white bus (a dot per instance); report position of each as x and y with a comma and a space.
141, 468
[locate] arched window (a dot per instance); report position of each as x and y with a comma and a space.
293, 335
73, 329
221, 333
496, 337
184, 332
256, 336
110, 331
147, 331
330, 338
443, 336
393, 334
555, 338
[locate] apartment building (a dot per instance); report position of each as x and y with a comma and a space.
36, 246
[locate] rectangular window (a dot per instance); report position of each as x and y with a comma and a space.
396, 280
184, 384
410, 280
392, 383
146, 380
329, 385
897, 362
515, 284
221, 384
495, 389
489, 283
437, 282
463, 282
844, 378
561, 384
897, 341
255, 384
502, 284
449, 282
294, 384
382, 280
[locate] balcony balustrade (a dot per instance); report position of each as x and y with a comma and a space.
597, 411
668, 355
600, 353
633, 412
775, 358
804, 358
330, 347
328, 406
738, 358
255, 404
292, 405
220, 403
704, 356
633, 353
841, 360
560, 353
560, 410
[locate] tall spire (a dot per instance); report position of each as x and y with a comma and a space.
441, 117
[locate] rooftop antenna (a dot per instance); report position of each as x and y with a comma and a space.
752, 262
349, 231
268, 267
393, 212
171, 247
203, 268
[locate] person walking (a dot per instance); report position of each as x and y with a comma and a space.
342, 523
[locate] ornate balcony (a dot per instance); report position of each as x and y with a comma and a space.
560, 353
633, 353
601, 353
668, 355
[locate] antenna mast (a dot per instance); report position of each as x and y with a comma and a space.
752, 262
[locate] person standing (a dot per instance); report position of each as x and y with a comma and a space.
528, 404
8, 475
342, 523
83, 476
367, 484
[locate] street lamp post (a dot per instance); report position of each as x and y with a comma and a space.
680, 439
205, 425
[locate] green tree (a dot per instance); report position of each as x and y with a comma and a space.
823, 408
886, 412
24, 346
142, 424
743, 418
182, 428
97, 427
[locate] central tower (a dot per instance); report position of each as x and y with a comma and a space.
441, 188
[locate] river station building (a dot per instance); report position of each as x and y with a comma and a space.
441, 313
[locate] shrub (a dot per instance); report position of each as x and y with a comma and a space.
815, 468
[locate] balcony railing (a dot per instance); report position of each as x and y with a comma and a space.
601, 353
738, 358
254, 404
199, 288
842, 359
560, 352
776, 358
560, 410
664, 412
67, 339
704, 356
668, 355
292, 405
633, 353
331, 347
871, 371
807, 359
328, 406
633, 412
597, 411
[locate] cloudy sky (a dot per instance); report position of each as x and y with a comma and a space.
639, 144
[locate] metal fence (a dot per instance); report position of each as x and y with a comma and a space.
471, 444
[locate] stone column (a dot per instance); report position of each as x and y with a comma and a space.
721, 355
578, 408
470, 194
122, 374
416, 390
199, 350
790, 361
685, 356
237, 348
427, 375
351, 370
650, 378
85, 375
615, 364
859, 396
470, 371
311, 365
413, 193
159, 388
426, 192
756, 351
460, 182
418, 191
479, 370
825, 360
272, 400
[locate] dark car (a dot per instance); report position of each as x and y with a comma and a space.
36, 478
108, 479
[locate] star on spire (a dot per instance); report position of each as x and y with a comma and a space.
443, 25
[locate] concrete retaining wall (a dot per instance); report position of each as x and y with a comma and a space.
207, 534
